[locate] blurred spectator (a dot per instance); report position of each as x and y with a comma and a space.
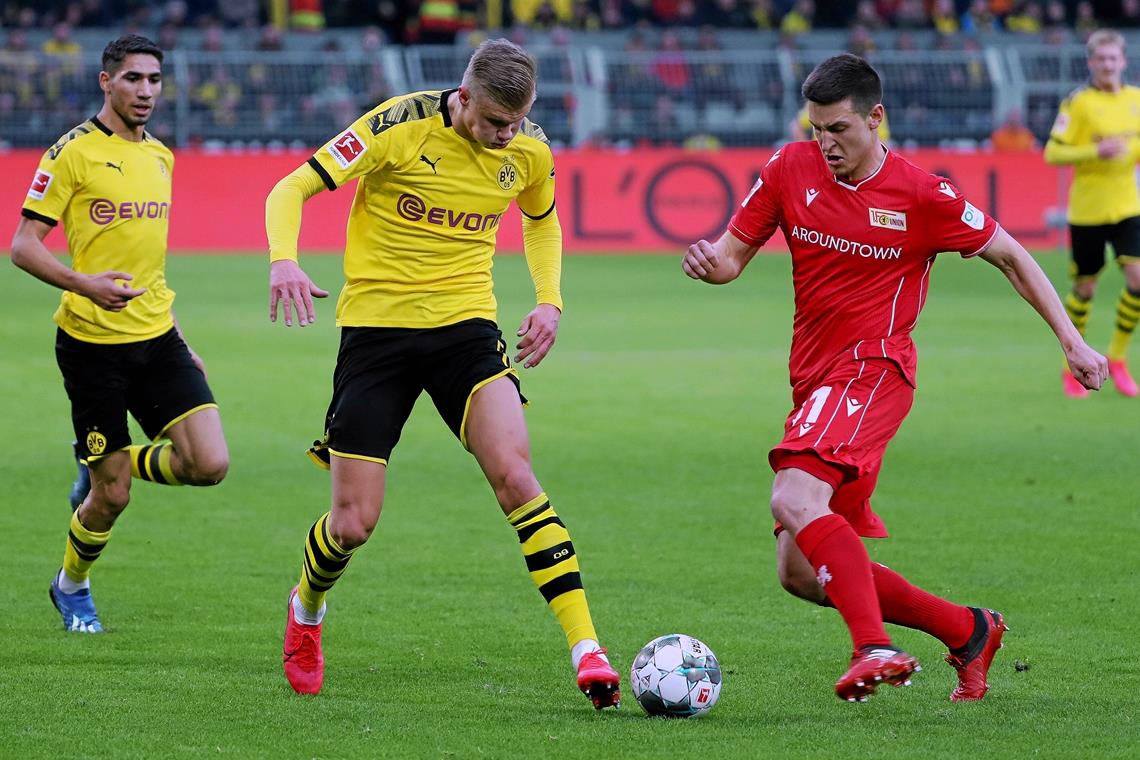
731, 14
270, 39
240, 13
867, 17
440, 21
541, 14
305, 15
1086, 22
762, 14
1055, 14
671, 67
978, 18
860, 42
799, 19
584, 17
1012, 134
944, 17
911, 14
167, 37
213, 40
1028, 18
61, 42
1129, 13
664, 124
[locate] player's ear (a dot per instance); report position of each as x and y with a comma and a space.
104, 81
875, 118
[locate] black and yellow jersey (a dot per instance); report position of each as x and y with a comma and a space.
421, 232
113, 197
1103, 190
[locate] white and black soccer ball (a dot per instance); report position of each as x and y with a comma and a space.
676, 676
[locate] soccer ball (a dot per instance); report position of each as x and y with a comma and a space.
676, 676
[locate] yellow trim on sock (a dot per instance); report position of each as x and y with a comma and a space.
517, 514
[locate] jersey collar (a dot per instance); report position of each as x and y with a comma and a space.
870, 177
444, 111
101, 126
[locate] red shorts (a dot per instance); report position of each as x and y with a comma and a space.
839, 432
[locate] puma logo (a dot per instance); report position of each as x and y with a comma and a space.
431, 163
117, 167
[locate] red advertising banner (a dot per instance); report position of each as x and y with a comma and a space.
608, 201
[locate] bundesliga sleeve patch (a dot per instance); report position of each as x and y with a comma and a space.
347, 148
972, 217
40, 184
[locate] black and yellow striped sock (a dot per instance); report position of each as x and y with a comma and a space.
1127, 315
83, 548
152, 462
1078, 309
324, 563
553, 566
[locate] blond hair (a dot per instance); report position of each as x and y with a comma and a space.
504, 72
1102, 37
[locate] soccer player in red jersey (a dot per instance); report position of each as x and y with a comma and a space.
864, 225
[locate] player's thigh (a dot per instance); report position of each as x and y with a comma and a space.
375, 386
496, 431
847, 421
96, 378
357, 498
465, 359
1088, 250
200, 442
168, 386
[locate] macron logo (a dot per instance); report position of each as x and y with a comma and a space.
853, 406
810, 196
945, 189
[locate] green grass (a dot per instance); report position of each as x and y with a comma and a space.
650, 424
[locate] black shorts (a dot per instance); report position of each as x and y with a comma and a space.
381, 371
154, 380
1088, 243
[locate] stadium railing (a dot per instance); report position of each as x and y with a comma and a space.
588, 94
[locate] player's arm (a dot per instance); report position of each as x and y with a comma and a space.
719, 262
108, 290
1070, 142
542, 245
1005, 253
289, 286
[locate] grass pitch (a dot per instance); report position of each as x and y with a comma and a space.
650, 424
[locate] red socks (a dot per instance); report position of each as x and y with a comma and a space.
843, 568
904, 604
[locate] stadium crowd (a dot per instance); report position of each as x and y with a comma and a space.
412, 21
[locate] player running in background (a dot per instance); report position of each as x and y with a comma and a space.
864, 226
436, 171
118, 346
1097, 131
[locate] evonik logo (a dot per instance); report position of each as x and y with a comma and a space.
103, 211
414, 209
843, 245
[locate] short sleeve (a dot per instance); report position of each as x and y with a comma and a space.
358, 150
1068, 124
759, 213
52, 186
537, 198
955, 224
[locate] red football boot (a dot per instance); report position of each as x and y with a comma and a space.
1118, 371
1072, 386
872, 666
598, 680
301, 654
973, 660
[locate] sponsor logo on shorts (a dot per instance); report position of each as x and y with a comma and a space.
347, 148
415, 209
888, 220
40, 183
103, 211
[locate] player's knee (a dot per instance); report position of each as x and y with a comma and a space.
110, 499
207, 469
1085, 289
783, 505
350, 529
515, 485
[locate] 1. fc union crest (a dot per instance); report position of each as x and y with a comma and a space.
508, 174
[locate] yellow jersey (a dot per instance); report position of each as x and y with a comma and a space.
421, 231
1103, 190
113, 197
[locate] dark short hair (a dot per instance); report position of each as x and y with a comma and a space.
129, 44
844, 76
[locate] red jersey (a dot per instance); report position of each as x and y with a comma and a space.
861, 253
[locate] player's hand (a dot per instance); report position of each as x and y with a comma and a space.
290, 287
1111, 147
537, 331
107, 292
700, 260
1088, 366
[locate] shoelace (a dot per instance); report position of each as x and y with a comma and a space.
305, 653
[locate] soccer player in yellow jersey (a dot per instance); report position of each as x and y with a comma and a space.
436, 172
1098, 132
117, 343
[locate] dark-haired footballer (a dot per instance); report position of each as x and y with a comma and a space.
117, 344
